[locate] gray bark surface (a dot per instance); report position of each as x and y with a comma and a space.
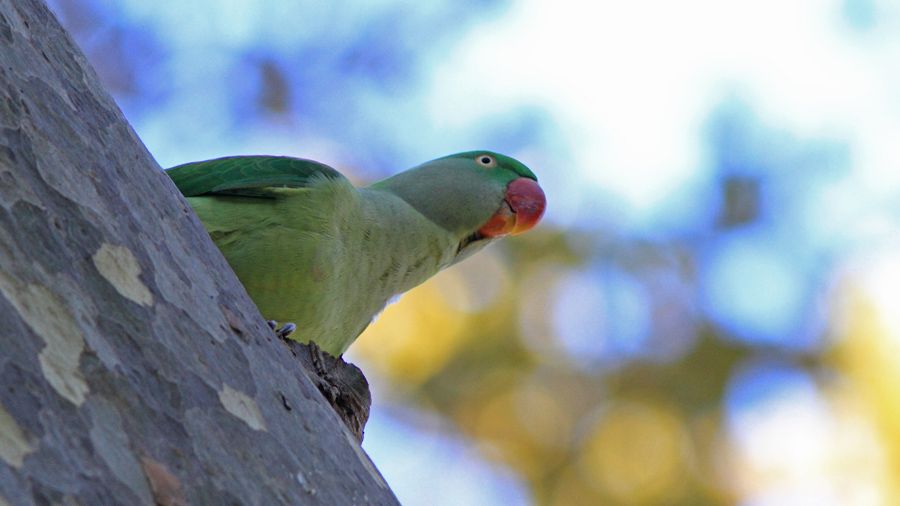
133, 367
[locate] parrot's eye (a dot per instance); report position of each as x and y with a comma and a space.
486, 160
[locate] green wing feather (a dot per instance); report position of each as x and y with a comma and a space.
248, 175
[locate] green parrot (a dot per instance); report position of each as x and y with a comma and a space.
312, 249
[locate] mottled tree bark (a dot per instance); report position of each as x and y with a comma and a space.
133, 367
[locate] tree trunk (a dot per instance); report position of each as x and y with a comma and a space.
133, 367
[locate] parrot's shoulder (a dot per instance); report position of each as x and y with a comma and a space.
252, 176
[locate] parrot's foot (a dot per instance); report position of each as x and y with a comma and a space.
286, 330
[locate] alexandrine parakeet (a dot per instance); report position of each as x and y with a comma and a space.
313, 249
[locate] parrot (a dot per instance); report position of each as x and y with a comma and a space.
313, 250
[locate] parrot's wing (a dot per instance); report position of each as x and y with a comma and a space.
249, 176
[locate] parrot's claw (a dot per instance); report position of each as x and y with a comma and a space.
286, 330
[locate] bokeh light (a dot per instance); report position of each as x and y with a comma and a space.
637, 453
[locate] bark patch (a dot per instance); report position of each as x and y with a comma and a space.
118, 265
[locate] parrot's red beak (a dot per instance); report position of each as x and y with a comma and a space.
522, 209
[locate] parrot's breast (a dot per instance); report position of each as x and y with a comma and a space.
327, 258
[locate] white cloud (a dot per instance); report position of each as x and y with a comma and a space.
633, 82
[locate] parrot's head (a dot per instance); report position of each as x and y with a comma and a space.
478, 196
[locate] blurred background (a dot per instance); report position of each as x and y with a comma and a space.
710, 311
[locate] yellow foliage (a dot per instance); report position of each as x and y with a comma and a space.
412, 340
526, 426
637, 453
869, 354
